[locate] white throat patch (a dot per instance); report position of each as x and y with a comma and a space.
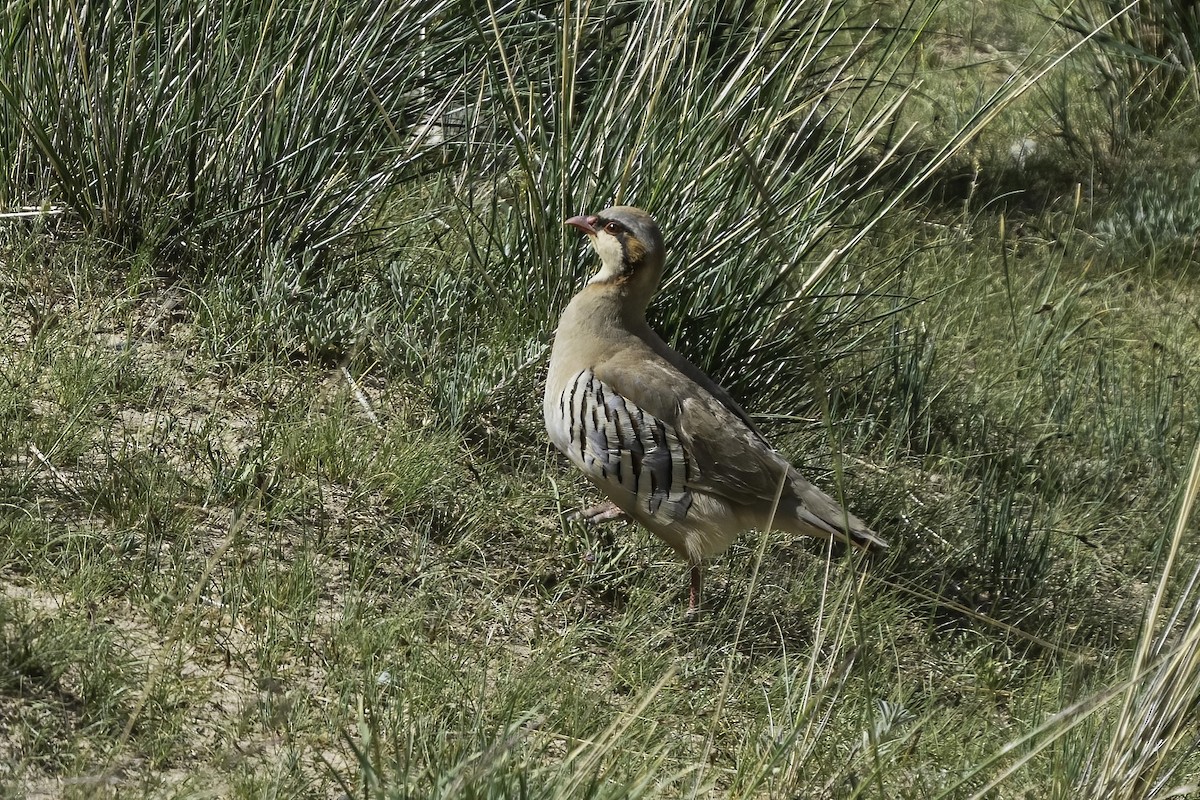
611, 254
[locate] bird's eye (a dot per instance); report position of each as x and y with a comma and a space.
612, 228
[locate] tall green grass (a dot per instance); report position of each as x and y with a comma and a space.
754, 137
1144, 56
769, 142
235, 129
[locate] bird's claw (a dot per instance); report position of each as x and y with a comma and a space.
603, 512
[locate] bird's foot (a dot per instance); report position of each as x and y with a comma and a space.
602, 512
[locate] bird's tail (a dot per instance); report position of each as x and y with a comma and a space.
811, 512
867, 539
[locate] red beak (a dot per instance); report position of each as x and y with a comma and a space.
585, 224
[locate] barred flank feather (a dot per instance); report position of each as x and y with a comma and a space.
625, 450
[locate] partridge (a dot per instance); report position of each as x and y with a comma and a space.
661, 439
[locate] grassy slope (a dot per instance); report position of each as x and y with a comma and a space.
214, 561
442, 561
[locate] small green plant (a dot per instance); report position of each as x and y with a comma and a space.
1156, 212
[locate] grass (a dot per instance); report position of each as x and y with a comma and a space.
279, 517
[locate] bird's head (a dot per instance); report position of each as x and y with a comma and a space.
630, 247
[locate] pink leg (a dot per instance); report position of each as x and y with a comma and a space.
697, 576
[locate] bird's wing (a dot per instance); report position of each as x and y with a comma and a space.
728, 457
